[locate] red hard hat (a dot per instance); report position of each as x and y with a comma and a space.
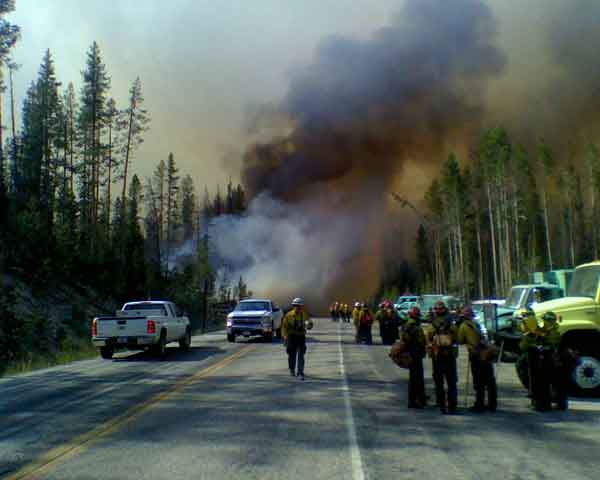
414, 312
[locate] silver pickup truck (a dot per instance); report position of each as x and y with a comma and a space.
149, 325
254, 317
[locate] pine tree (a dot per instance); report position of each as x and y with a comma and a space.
188, 207
547, 162
171, 207
594, 188
91, 120
134, 249
159, 189
134, 120
112, 162
9, 35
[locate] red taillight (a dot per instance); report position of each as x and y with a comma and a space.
151, 326
94, 328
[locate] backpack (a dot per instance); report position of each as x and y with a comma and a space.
400, 355
366, 319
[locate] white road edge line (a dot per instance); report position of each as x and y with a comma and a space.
358, 472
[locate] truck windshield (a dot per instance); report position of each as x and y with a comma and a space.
515, 298
252, 306
585, 282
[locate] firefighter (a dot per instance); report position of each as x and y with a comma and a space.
537, 357
388, 323
356, 315
293, 329
469, 334
414, 338
336, 311
365, 322
558, 362
346, 313
442, 344
332, 312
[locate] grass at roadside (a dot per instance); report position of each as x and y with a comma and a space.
36, 361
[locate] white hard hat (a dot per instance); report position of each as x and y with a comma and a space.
298, 301
357, 304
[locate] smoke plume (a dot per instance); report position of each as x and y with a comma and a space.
367, 117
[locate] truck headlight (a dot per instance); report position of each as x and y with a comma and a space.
229, 321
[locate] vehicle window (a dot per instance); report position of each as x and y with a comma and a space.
178, 310
252, 306
426, 302
539, 295
515, 297
585, 282
144, 306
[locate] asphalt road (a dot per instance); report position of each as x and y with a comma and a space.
232, 411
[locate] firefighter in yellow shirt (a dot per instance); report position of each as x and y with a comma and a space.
293, 329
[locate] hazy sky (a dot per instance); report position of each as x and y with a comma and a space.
202, 62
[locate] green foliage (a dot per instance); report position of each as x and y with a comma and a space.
515, 213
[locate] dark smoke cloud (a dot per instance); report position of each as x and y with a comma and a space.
368, 116
367, 105
354, 117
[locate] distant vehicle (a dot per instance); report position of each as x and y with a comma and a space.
426, 303
478, 308
403, 299
525, 296
254, 317
145, 325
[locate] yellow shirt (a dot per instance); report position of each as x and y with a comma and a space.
468, 334
294, 323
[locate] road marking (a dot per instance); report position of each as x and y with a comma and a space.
59, 455
358, 471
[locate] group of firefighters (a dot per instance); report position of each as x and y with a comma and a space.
546, 366
340, 311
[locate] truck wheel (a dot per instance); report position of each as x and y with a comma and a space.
186, 342
106, 353
161, 347
231, 338
585, 375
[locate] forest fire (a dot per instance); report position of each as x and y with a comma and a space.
364, 115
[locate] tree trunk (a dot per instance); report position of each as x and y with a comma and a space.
594, 228
480, 258
108, 188
493, 238
547, 228
127, 152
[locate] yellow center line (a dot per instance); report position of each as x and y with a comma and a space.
58, 455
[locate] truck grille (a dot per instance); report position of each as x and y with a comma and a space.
246, 321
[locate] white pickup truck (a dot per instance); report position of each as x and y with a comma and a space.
256, 317
142, 325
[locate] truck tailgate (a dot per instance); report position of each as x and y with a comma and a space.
121, 327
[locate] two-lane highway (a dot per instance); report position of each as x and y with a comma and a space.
233, 411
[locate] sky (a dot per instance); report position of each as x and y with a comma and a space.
203, 64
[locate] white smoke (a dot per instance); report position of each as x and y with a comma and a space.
181, 256
286, 250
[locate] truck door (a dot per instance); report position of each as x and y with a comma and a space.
173, 326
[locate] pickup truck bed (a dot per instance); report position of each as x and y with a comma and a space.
141, 325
